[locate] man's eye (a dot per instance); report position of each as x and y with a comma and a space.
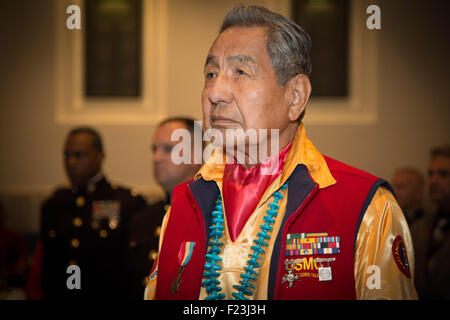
443, 173
240, 72
80, 154
167, 149
210, 75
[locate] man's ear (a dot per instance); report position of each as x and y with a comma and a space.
299, 89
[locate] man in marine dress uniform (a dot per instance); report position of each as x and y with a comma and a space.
86, 225
293, 225
145, 225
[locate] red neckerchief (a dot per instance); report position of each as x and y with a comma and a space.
243, 188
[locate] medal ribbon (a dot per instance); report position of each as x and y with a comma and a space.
185, 253
184, 256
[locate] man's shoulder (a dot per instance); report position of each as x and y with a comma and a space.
181, 188
344, 171
61, 193
123, 193
152, 210
149, 215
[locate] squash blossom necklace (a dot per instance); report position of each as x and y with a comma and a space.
212, 267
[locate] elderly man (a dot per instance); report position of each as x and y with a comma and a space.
314, 228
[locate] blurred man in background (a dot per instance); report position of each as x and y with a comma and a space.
409, 187
146, 224
86, 225
431, 235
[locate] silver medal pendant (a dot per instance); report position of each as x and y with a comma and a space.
325, 274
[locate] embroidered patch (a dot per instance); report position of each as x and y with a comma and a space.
400, 256
301, 244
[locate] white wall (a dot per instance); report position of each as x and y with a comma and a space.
413, 110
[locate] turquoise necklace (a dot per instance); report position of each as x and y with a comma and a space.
212, 256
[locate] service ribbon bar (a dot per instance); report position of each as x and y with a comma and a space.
300, 244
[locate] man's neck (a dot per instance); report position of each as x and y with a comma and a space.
91, 181
254, 155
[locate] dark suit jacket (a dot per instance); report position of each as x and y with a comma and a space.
432, 275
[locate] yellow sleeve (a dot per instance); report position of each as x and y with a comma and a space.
380, 271
150, 288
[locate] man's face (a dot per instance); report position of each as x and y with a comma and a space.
81, 159
408, 189
241, 89
439, 179
168, 174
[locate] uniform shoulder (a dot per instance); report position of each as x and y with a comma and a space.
60, 193
60, 196
127, 194
122, 189
151, 212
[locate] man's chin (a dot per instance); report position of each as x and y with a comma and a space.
76, 182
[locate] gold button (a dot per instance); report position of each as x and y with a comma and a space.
52, 234
114, 186
72, 262
77, 222
152, 255
157, 231
74, 243
113, 224
166, 207
133, 244
80, 201
103, 233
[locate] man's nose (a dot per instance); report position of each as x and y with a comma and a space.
433, 179
71, 161
221, 90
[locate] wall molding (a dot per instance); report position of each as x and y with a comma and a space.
361, 106
72, 107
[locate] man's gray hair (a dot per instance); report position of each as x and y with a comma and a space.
287, 45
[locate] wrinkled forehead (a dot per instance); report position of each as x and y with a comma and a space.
239, 41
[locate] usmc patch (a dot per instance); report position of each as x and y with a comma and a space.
400, 256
